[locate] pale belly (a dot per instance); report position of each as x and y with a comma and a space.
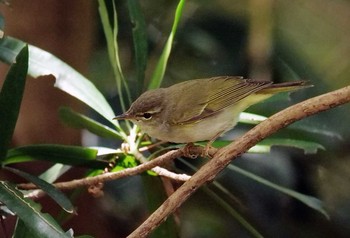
207, 129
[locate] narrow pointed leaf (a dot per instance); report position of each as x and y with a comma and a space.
79, 121
107, 28
54, 172
309, 147
159, 71
140, 40
307, 200
10, 99
49, 189
235, 214
254, 119
155, 197
111, 34
22, 231
70, 155
67, 79
41, 224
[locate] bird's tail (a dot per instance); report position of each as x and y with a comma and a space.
285, 87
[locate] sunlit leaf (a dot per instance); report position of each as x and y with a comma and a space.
104, 151
67, 79
10, 99
40, 224
54, 172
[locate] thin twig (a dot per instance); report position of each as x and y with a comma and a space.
171, 155
226, 154
162, 171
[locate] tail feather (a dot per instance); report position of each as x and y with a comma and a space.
285, 87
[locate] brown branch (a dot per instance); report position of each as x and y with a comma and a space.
162, 171
171, 155
226, 154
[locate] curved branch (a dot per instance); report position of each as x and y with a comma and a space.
120, 174
226, 154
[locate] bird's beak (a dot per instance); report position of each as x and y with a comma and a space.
123, 116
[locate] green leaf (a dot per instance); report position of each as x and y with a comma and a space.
307, 200
50, 190
10, 99
140, 41
22, 231
71, 155
254, 119
54, 172
235, 214
127, 161
155, 194
79, 121
67, 79
40, 224
111, 37
309, 147
228, 208
159, 71
111, 34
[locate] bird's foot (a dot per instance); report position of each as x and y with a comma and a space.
189, 151
206, 151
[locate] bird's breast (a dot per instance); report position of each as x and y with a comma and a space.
202, 130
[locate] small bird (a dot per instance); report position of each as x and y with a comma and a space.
200, 109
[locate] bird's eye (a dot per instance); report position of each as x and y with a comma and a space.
147, 116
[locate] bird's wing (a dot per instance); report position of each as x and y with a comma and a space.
221, 92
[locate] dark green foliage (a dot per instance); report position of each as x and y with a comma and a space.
11, 98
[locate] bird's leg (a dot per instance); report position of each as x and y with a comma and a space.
205, 152
190, 148
208, 146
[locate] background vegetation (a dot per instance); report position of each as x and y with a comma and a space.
268, 40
